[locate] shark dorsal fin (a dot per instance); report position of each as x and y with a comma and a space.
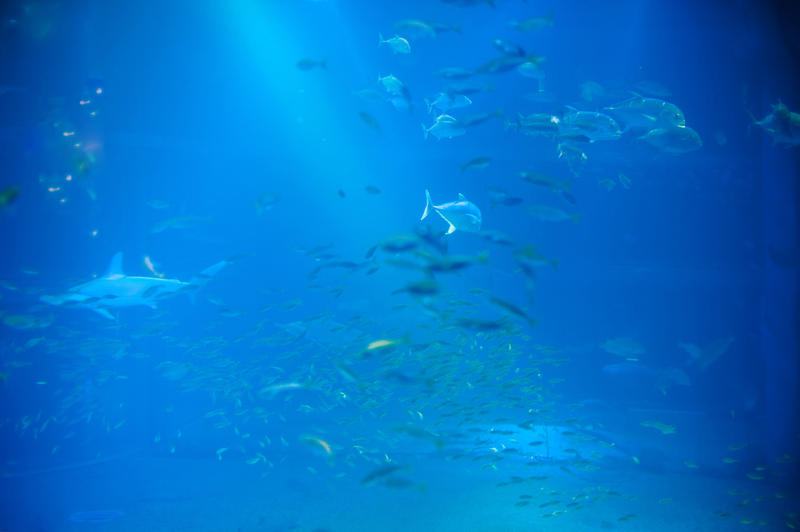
461, 197
114, 270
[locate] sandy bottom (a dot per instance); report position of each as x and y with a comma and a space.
460, 495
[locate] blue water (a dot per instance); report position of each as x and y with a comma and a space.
350, 367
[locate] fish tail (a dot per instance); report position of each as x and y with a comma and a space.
424, 131
428, 205
429, 104
380, 39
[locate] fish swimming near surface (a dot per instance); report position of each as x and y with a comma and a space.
461, 214
117, 290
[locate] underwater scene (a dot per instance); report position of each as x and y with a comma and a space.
441, 265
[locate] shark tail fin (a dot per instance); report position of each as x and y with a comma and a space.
428, 205
114, 270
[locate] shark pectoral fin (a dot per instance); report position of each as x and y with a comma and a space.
114, 270
450, 229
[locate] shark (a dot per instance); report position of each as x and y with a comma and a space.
116, 290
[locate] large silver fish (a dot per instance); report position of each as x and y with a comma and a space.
461, 214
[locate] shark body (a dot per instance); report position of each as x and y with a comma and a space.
117, 290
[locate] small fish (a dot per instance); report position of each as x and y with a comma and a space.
501, 197
452, 263
513, 309
341, 193
534, 23
398, 44
179, 222
623, 347
480, 118
674, 140
477, 163
661, 427
508, 48
265, 202
318, 443
380, 472
532, 70
455, 73
589, 125
151, 267
445, 101
369, 120
370, 189
552, 214
276, 389
311, 64
8, 196
781, 124
425, 287
416, 28
157, 204
384, 344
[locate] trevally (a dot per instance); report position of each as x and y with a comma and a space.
639, 112
445, 126
461, 214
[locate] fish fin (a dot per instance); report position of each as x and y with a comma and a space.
461, 197
380, 39
429, 104
428, 205
114, 270
424, 131
452, 227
